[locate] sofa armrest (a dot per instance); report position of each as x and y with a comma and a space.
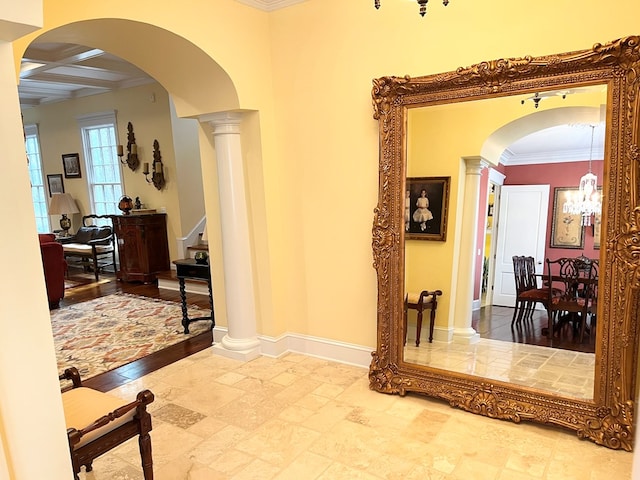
46, 237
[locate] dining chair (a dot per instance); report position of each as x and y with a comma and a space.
594, 269
528, 292
570, 296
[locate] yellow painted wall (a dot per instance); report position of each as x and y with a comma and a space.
188, 173
27, 357
307, 70
317, 156
59, 133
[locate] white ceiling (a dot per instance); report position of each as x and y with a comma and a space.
563, 143
55, 72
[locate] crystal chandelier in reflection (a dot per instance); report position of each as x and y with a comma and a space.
586, 202
422, 3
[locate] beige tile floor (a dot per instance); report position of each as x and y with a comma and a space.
563, 372
303, 418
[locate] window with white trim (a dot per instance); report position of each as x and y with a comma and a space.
38, 191
104, 177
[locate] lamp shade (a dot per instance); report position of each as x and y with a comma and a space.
62, 203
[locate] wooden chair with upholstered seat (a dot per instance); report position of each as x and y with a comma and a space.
420, 302
570, 301
97, 422
528, 292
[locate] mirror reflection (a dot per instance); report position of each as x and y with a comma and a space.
538, 199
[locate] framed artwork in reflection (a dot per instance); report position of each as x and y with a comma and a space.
597, 222
566, 228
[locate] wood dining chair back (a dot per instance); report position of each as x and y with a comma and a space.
571, 299
528, 290
593, 266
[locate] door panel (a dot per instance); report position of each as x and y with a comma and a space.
522, 228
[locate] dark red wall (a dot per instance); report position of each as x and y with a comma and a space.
556, 175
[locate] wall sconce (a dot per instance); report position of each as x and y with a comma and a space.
132, 150
157, 177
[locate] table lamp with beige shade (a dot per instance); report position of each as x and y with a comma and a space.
63, 204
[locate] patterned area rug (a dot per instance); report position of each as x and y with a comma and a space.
107, 332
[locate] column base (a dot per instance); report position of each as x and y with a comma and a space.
465, 336
242, 355
245, 349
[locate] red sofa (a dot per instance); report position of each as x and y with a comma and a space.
55, 268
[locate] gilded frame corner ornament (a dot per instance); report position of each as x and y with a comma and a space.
608, 419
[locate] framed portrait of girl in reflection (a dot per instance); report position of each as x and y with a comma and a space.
425, 208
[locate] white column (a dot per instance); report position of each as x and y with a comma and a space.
241, 341
463, 332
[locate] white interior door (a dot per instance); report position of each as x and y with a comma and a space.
522, 228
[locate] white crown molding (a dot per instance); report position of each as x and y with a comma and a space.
270, 5
575, 155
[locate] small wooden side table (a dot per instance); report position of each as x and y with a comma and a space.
189, 268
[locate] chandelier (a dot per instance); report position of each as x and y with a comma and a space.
586, 202
422, 3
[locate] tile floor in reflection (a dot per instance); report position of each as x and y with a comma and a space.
563, 372
303, 418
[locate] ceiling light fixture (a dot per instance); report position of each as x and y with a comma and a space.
422, 3
587, 201
536, 97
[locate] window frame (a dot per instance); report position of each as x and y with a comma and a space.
43, 221
87, 123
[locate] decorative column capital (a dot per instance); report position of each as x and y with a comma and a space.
475, 165
223, 122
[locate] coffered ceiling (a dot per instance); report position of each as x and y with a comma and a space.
54, 72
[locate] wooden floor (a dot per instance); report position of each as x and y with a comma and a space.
489, 322
119, 376
495, 322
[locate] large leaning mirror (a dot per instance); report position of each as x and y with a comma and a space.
450, 145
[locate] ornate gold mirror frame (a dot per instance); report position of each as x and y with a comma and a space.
608, 418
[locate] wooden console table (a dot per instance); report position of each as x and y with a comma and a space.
188, 268
142, 246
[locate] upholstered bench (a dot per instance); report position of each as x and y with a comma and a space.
97, 422
92, 245
420, 302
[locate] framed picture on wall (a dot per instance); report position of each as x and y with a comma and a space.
71, 165
56, 185
597, 221
425, 208
566, 228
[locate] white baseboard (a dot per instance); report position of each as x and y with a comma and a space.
327, 349
476, 305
